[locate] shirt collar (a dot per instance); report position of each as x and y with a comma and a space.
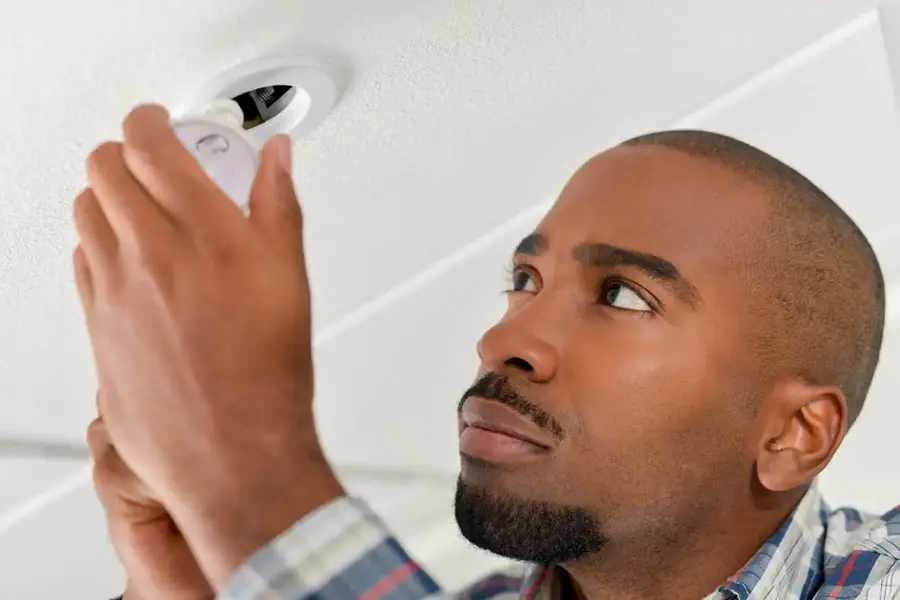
794, 551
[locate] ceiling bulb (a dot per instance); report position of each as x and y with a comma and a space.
277, 95
215, 137
225, 123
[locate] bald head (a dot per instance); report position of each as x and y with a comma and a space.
821, 293
688, 332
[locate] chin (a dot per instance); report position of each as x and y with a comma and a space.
513, 525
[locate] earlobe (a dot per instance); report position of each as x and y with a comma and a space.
777, 467
806, 424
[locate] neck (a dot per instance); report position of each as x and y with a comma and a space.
694, 562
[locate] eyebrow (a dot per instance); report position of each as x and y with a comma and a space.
597, 254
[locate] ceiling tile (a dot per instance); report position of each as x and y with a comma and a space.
61, 551
28, 483
388, 388
863, 473
501, 128
454, 117
835, 120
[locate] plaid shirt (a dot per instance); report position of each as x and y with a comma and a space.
343, 551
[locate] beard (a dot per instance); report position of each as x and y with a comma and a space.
523, 530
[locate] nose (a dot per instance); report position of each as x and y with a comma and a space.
517, 343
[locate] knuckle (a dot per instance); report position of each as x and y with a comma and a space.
96, 434
138, 144
141, 114
101, 157
83, 205
138, 155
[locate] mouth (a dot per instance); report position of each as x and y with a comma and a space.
495, 433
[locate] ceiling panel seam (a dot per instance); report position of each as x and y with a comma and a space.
883, 239
45, 498
83, 476
793, 61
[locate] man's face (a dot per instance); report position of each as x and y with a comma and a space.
621, 354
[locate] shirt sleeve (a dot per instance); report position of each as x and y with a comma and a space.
340, 551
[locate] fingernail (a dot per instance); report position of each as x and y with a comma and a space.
283, 147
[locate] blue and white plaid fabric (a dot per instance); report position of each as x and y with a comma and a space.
343, 551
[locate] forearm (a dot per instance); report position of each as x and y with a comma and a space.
344, 550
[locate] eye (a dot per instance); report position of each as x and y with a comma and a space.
521, 281
620, 295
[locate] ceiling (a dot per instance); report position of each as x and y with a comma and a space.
458, 123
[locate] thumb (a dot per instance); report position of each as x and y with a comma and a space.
274, 208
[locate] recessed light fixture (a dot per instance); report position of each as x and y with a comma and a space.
283, 94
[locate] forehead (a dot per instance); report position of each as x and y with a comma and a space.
689, 210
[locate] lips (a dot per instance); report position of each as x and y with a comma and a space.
495, 417
495, 433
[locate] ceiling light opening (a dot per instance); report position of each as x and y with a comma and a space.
264, 104
277, 95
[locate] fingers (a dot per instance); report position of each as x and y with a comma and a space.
83, 282
169, 173
94, 232
108, 472
148, 189
114, 481
274, 208
131, 214
98, 438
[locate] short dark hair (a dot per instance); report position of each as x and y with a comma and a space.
823, 316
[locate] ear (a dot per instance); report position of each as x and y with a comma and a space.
804, 426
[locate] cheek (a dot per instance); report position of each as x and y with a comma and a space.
651, 429
629, 383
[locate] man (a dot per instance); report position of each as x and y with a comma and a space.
691, 331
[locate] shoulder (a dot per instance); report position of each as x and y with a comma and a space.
862, 554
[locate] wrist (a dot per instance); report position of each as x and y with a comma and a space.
225, 532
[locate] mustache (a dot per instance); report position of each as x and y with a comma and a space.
493, 386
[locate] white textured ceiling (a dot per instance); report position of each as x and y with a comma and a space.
458, 122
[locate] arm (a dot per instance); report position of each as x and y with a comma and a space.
344, 551
223, 435
339, 551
